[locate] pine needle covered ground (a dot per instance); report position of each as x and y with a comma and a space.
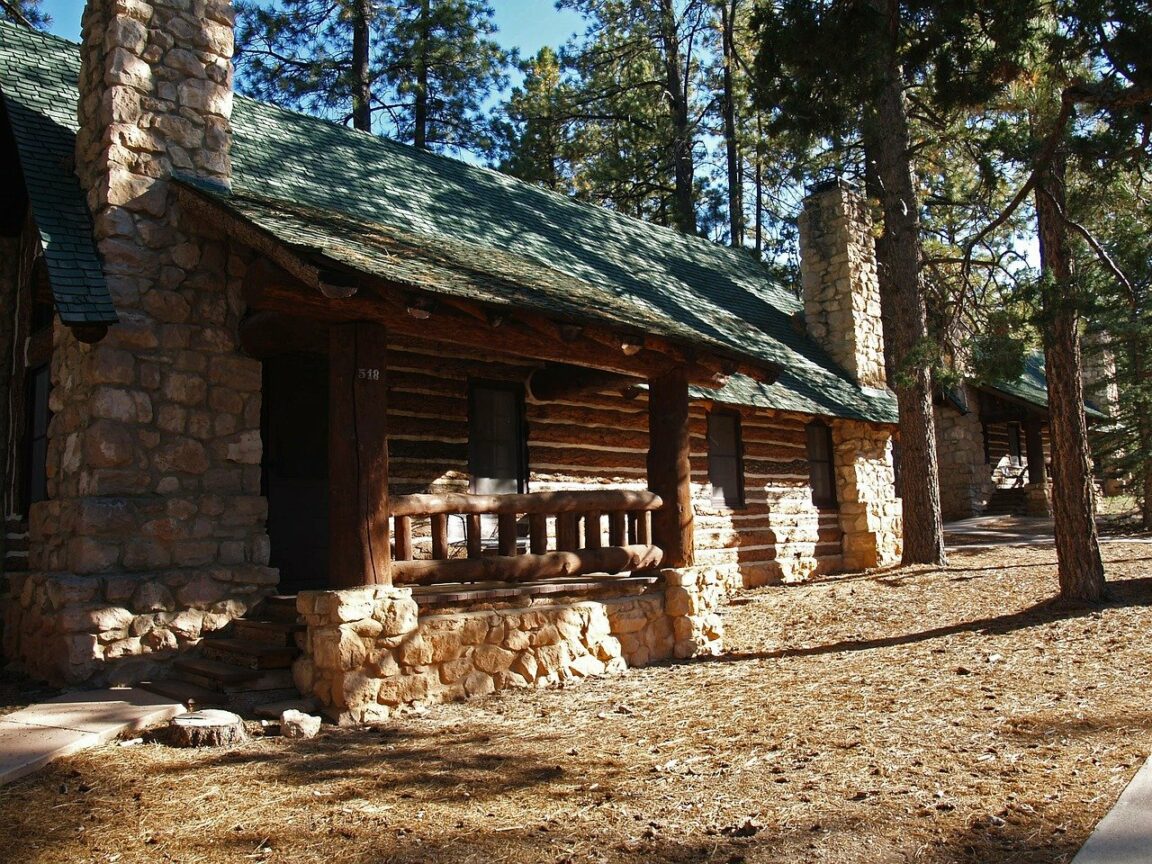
929, 715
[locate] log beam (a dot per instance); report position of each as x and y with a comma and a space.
566, 501
669, 467
525, 568
358, 552
561, 380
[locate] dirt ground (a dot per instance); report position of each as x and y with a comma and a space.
928, 715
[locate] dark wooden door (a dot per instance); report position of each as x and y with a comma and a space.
296, 468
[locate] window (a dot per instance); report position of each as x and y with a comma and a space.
36, 440
1014, 444
821, 467
725, 459
497, 461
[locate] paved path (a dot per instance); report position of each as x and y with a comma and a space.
34, 736
1124, 836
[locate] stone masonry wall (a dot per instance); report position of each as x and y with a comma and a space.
870, 512
965, 478
154, 507
370, 651
841, 291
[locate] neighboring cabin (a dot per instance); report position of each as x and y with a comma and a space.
253, 352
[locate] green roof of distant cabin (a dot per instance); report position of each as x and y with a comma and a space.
447, 227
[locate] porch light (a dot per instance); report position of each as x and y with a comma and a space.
337, 285
631, 345
419, 308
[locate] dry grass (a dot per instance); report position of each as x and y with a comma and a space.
920, 715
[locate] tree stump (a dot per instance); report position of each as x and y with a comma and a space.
208, 728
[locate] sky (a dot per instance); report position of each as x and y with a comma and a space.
524, 24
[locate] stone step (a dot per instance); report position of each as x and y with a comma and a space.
186, 692
273, 710
279, 633
212, 673
249, 654
247, 702
207, 673
276, 607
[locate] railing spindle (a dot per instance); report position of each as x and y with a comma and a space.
507, 533
592, 530
439, 536
567, 532
475, 541
644, 528
538, 533
617, 528
403, 535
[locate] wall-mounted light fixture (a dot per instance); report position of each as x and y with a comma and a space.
419, 308
337, 284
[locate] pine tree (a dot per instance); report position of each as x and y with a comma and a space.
533, 136
418, 71
442, 64
638, 107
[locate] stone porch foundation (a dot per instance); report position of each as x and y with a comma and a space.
371, 650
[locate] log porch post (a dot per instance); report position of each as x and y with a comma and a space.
1034, 451
669, 468
358, 530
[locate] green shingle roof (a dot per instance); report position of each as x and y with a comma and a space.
38, 83
447, 227
1031, 386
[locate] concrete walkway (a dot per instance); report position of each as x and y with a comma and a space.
33, 737
1124, 836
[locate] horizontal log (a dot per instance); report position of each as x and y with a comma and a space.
561, 381
615, 417
576, 436
588, 464
524, 568
528, 503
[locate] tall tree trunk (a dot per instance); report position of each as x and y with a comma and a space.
420, 99
731, 144
1080, 569
759, 181
680, 145
361, 70
887, 148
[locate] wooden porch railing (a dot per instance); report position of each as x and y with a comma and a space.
629, 544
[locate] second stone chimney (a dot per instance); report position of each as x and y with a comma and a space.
841, 291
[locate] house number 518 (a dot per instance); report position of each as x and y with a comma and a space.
368, 374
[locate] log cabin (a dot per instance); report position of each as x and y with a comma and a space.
380, 426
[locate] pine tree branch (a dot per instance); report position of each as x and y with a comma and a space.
1095, 245
15, 14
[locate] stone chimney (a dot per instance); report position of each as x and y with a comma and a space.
154, 529
841, 292
155, 97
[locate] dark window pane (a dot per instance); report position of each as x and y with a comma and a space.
821, 466
725, 463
